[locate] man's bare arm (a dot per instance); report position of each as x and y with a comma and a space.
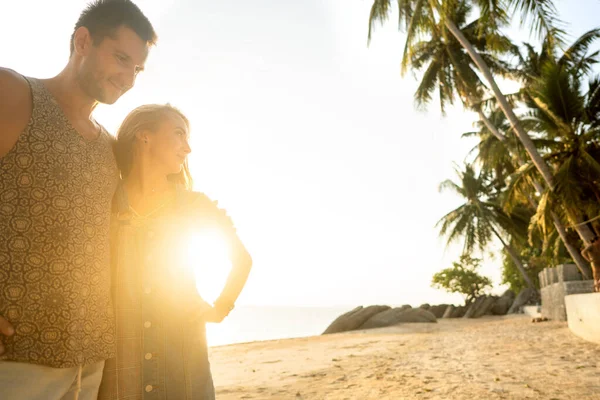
15, 111
15, 108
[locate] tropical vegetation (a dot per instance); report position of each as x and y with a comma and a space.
532, 184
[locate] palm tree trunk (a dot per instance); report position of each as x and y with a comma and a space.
582, 265
584, 231
513, 255
580, 262
539, 163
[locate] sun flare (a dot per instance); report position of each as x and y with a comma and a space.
207, 255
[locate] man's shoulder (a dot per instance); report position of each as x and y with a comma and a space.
19, 99
12, 82
15, 108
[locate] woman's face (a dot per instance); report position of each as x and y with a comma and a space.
169, 146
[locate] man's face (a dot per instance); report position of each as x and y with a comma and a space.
108, 69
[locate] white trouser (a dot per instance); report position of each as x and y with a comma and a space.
23, 381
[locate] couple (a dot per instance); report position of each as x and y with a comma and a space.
96, 300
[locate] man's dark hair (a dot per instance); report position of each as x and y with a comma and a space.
103, 17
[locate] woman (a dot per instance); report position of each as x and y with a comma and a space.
161, 343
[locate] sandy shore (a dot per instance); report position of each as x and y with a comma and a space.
489, 358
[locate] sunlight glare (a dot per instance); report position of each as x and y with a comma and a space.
208, 257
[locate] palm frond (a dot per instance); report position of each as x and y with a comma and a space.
578, 49
428, 84
380, 11
417, 17
541, 16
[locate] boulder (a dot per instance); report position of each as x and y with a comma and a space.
525, 296
448, 312
484, 308
425, 306
503, 303
509, 293
354, 319
417, 315
339, 323
471, 308
459, 312
438, 310
398, 315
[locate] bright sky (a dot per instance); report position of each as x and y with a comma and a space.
307, 137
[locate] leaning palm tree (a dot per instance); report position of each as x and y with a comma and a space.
499, 156
568, 114
480, 218
418, 17
578, 60
449, 71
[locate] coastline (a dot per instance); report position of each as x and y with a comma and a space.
505, 357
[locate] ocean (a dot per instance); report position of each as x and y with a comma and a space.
254, 323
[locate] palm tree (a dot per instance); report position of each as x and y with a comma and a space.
419, 17
568, 114
449, 70
576, 58
480, 218
571, 118
499, 156
530, 70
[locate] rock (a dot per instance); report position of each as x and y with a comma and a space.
397, 315
509, 293
406, 306
417, 315
354, 319
459, 312
438, 310
448, 312
523, 298
425, 306
340, 322
503, 303
486, 305
471, 308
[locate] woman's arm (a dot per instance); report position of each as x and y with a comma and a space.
241, 264
212, 217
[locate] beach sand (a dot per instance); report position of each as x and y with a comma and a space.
488, 358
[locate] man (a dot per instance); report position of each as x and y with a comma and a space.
57, 179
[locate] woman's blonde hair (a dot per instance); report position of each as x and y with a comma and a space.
147, 117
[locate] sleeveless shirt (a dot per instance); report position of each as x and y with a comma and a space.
55, 203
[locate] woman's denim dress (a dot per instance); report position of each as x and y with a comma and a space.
161, 349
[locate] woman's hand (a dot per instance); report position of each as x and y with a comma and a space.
214, 315
204, 312
6, 329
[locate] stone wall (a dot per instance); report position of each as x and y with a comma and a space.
583, 312
558, 282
